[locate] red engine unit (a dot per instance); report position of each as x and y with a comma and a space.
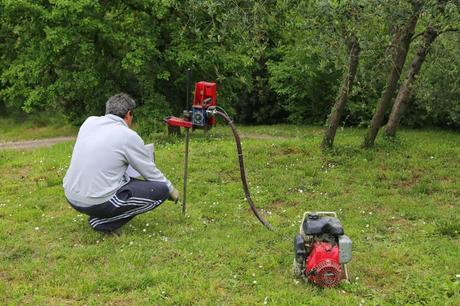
321, 249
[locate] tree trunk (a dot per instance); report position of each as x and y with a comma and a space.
399, 59
336, 113
2, 109
404, 93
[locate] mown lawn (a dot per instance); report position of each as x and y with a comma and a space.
399, 203
15, 130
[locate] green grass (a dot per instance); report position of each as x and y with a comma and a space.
12, 130
399, 203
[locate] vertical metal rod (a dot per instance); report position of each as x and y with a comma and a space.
184, 196
189, 83
187, 140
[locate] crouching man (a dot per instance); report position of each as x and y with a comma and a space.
96, 182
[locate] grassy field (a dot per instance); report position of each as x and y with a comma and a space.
399, 203
12, 130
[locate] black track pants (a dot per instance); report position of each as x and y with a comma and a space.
134, 198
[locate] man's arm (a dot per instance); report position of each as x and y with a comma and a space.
139, 158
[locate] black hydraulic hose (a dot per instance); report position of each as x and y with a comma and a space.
242, 170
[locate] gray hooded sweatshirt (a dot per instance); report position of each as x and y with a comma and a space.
104, 148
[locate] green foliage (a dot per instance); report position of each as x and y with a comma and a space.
437, 95
149, 117
436, 98
73, 55
405, 248
307, 90
273, 61
315, 54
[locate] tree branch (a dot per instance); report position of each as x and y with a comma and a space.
417, 36
439, 33
448, 30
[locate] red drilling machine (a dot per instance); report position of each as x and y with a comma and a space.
203, 108
203, 116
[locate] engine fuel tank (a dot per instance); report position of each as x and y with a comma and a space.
317, 225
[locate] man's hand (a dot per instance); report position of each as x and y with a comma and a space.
174, 195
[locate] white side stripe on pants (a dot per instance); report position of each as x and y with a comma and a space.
148, 204
131, 201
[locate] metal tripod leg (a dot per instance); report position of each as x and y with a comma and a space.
184, 196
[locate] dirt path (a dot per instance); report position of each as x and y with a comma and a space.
47, 142
32, 144
264, 136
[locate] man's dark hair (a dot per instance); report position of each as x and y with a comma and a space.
119, 105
